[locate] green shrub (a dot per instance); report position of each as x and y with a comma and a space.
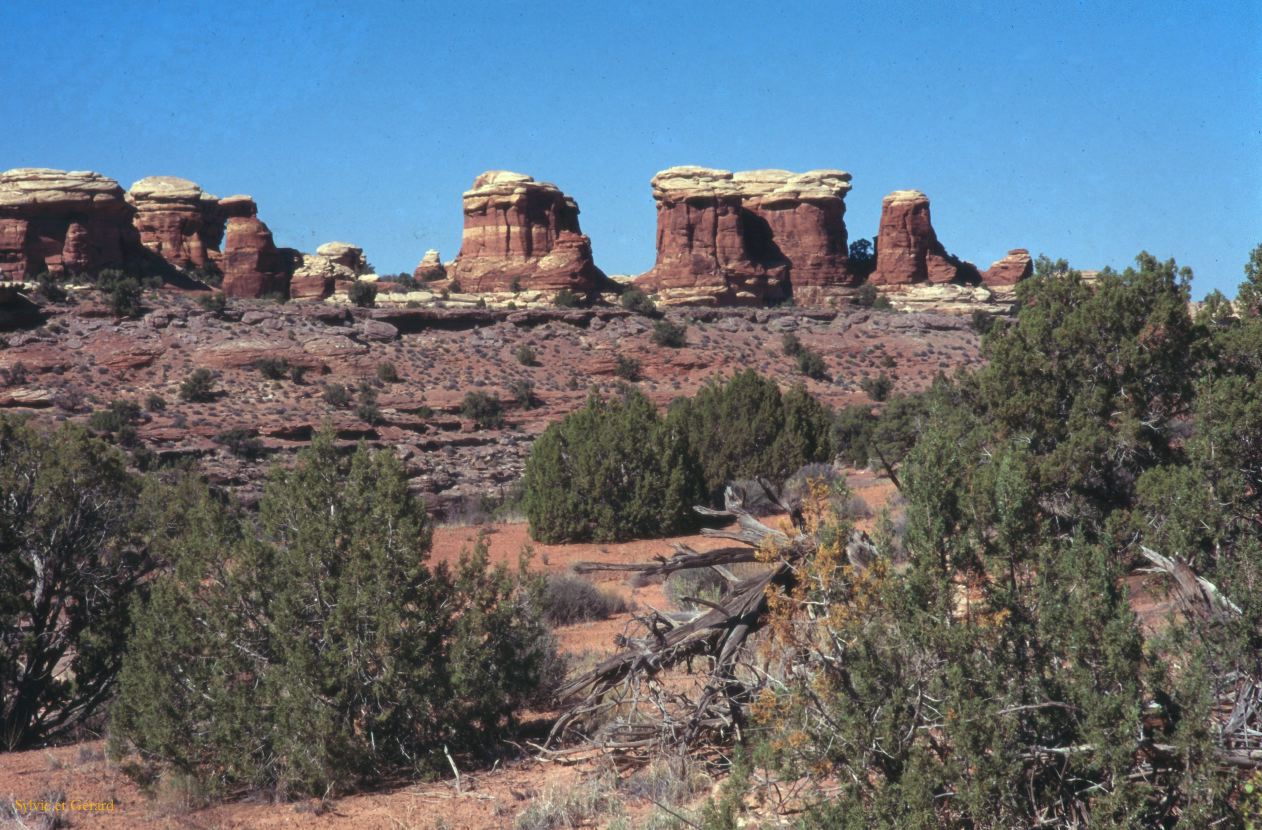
569, 599
324, 653
523, 390
702, 583
386, 373
811, 364
272, 368
155, 402
50, 288
635, 300
117, 416
241, 442
362, 293
745, 427
879, 387
297, 373
565, 298
791, 344
122, 293
669, 334
627, 368
337, 395
609, 471
199, 387
866, 295
526, 355
216, 303
485, 410
71, 557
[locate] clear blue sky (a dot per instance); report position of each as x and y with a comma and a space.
1086, 131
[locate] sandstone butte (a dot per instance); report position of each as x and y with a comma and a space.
178, 221
908, 251
750, 237
62, 222
723, 238
520, 234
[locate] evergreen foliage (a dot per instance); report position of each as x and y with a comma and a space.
319, 650
198, 387
611, 471
1001, 680
745, 428
485, 410
362, 293
670, 334
71, 558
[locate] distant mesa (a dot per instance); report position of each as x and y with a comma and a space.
751, 237
520, 234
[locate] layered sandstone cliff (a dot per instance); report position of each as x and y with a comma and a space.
520, 234
747, 237
178, 221
252, 265
62, 222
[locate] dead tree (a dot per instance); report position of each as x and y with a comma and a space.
607, 705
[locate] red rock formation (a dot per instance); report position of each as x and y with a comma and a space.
177, 220
62, 222
747, 237
252, 265
318, 274
430, 268
524, 234
1010, 270
907, 249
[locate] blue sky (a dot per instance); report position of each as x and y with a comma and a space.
1086, 131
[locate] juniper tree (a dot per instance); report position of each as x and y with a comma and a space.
319, 649
71, 557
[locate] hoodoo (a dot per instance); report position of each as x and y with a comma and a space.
747, 237
907, 249
520, 234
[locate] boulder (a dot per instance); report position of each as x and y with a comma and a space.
62, 222
1010, 270
728, 238
177, 220
430, 268
520, 234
